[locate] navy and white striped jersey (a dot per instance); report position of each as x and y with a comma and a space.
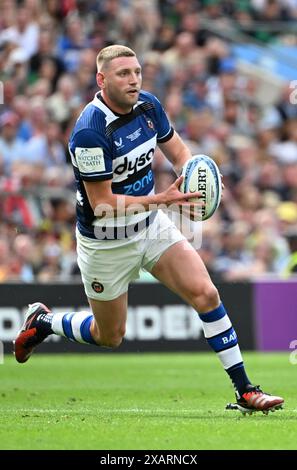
105, 145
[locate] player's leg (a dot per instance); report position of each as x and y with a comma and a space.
109, 323
106, 274
104, 327
181, 269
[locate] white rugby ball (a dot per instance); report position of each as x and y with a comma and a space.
202, 174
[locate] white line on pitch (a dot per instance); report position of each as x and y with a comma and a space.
112, 410
82, 410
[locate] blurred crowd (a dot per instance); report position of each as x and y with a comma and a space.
47, 70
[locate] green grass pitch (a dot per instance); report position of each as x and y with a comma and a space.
140, 401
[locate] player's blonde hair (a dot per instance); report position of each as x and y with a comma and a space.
112, 52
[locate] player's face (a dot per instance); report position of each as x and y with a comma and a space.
121, 83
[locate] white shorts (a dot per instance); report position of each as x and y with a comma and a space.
108, 266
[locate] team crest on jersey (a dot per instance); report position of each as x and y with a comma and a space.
97, 287
134, 134
150, 124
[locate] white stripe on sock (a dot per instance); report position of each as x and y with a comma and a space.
216, 327
76, 322
57, 325
230, 357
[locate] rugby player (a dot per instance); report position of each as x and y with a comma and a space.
121, 230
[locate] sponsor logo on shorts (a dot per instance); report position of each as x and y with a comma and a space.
97, 287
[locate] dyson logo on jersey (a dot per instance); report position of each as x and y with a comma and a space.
135, 164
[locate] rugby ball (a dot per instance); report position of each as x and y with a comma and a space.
202, 174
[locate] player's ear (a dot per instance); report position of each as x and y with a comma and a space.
100, 79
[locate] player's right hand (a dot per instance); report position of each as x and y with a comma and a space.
175, 200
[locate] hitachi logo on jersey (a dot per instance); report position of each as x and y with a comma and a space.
132, 166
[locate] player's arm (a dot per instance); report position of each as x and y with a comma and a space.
92, 158
176, 151
100, 193
104, 202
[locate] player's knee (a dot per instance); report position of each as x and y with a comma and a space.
208, 299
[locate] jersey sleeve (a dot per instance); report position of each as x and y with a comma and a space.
91, 155
165, 130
